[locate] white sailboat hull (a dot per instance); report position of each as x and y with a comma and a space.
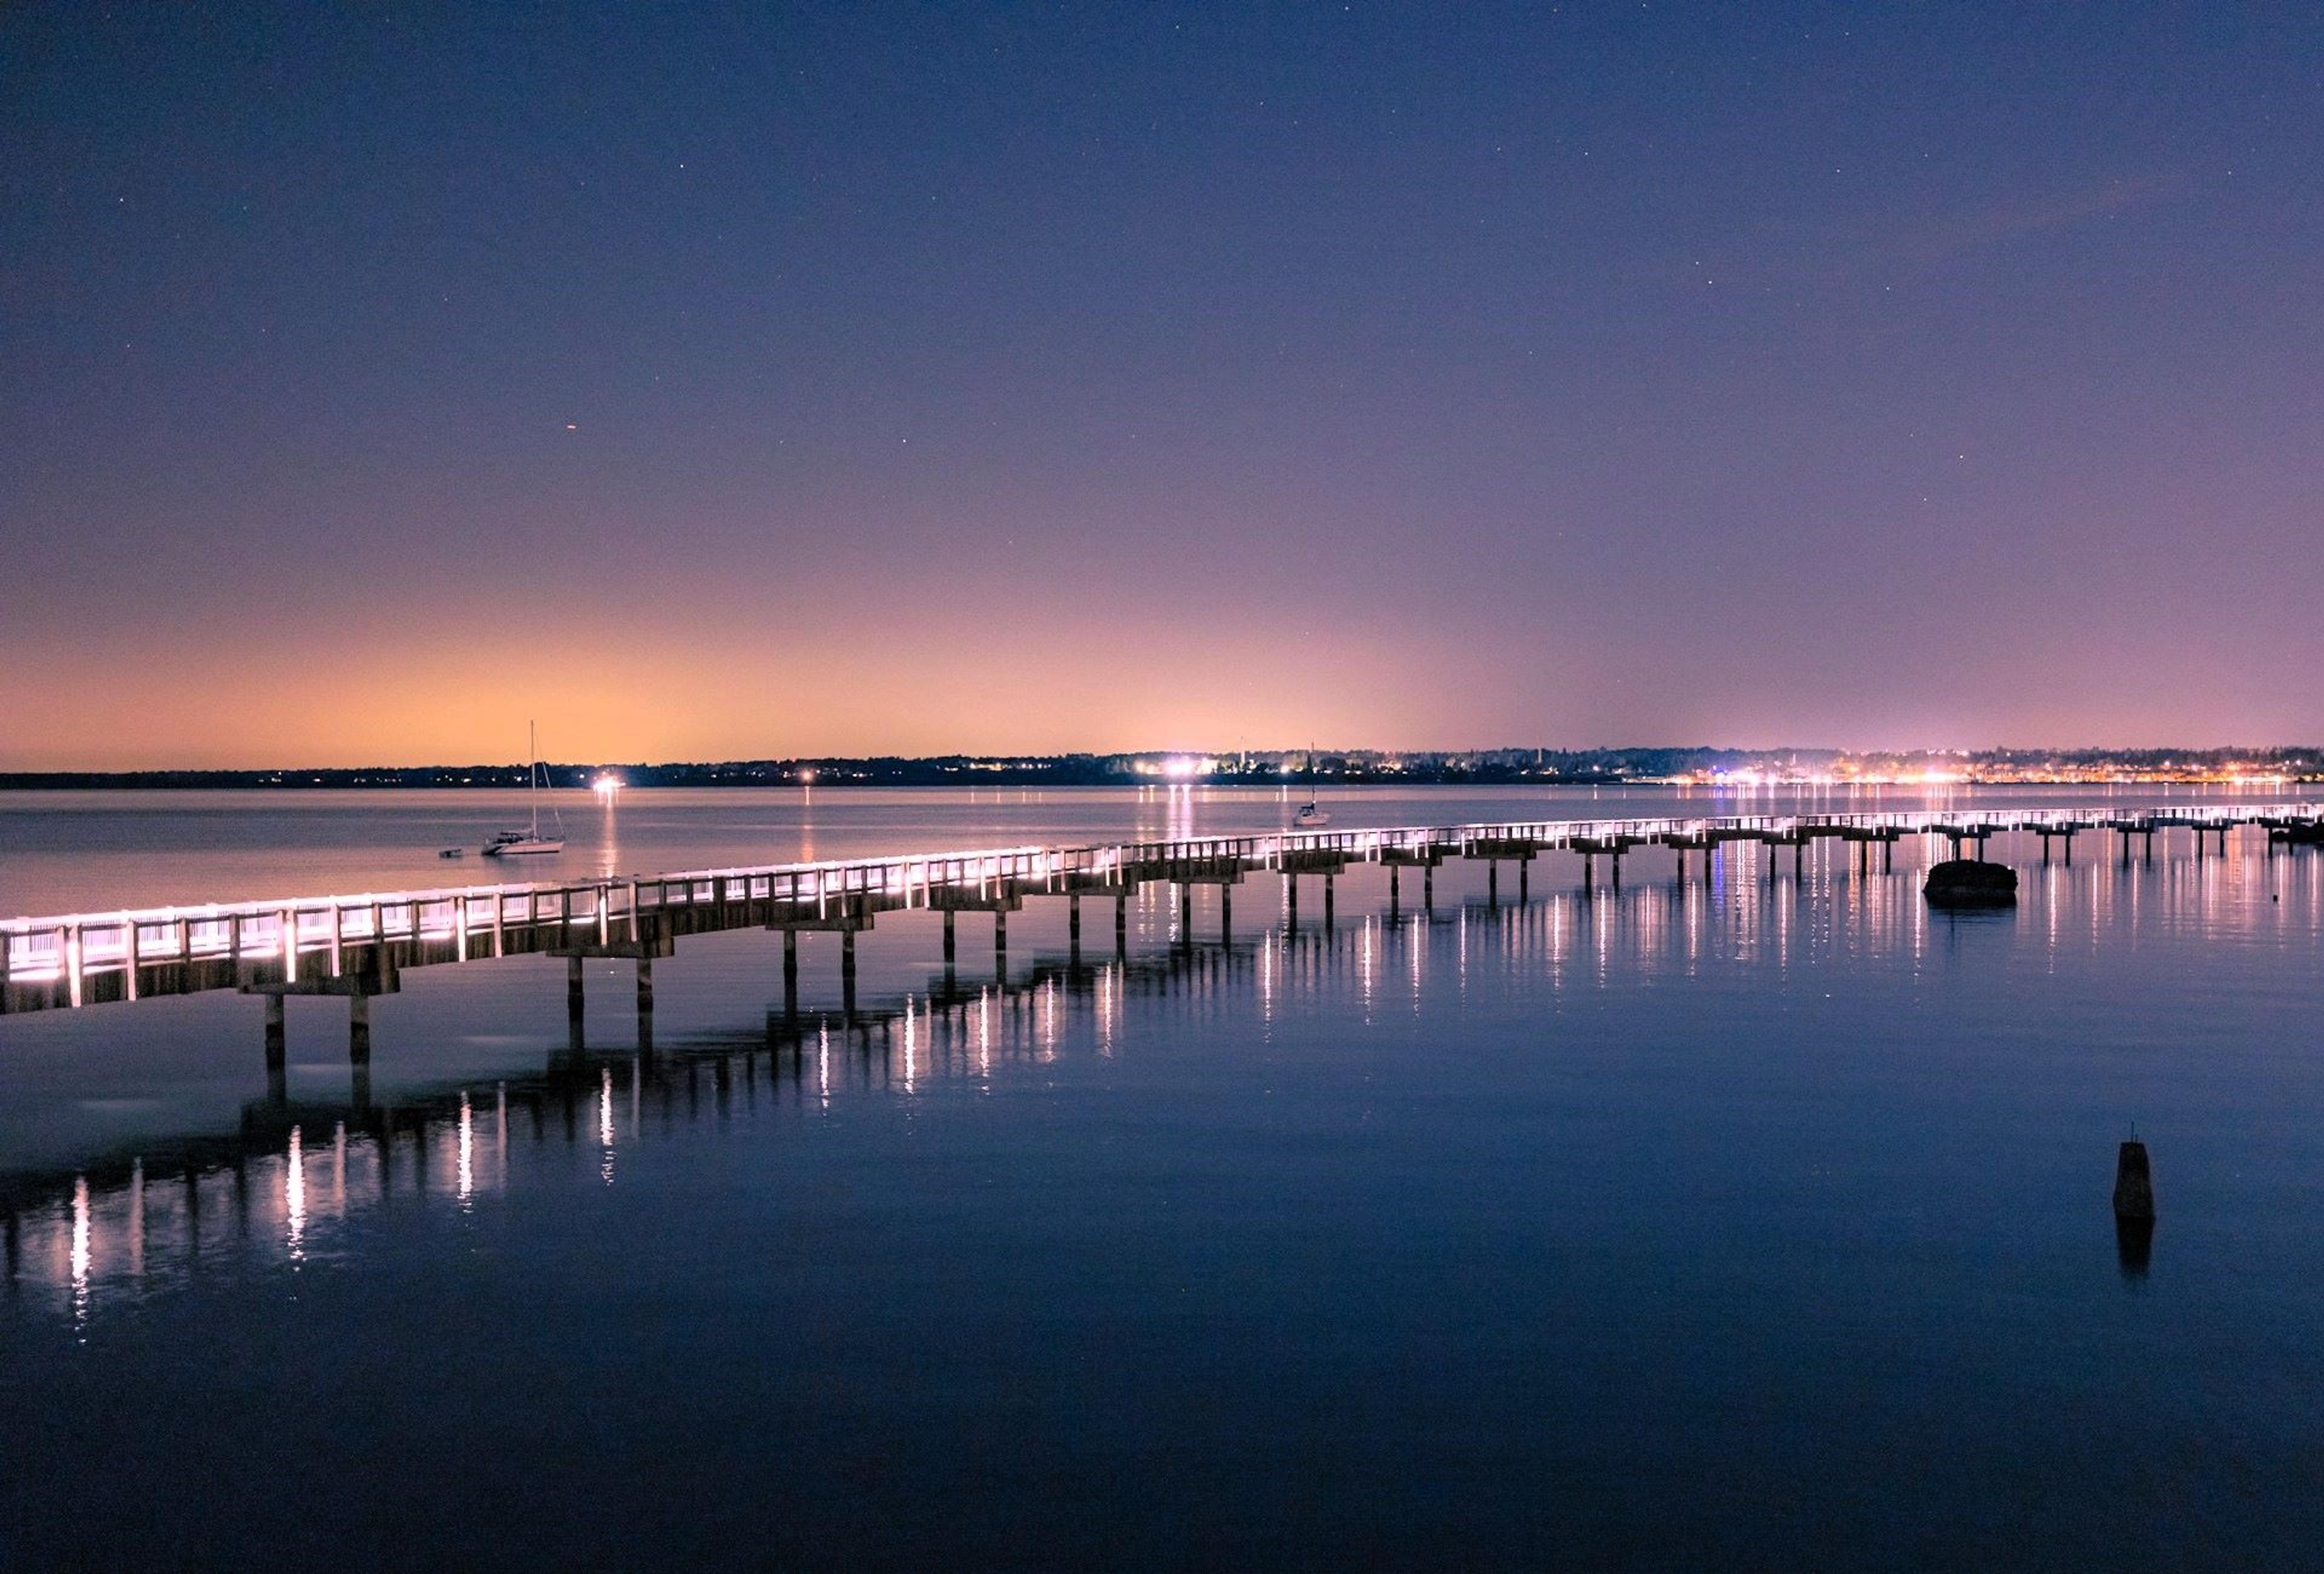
523, 846
528, 842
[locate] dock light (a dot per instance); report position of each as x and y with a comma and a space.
607, 788
1180, 768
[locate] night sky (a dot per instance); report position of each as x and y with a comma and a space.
712, 381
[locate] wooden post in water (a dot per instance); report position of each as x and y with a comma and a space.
2134, 1183
275, 1033
1327, 905
2134, 1209
951, 941
359, 1029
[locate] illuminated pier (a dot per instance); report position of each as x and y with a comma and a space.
356, 947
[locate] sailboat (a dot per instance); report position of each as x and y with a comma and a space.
510, 844
1311, 815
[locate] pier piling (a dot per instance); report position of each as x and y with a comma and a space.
2134, 1209
2134, 1183
355, 945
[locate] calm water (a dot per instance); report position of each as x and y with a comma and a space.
1763, 1223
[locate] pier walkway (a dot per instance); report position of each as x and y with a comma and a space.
358, 945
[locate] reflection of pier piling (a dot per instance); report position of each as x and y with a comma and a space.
357, 948
929, 1030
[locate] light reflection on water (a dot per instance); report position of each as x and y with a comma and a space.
1780, 1202
1652, 933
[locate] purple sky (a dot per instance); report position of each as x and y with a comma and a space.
714, 381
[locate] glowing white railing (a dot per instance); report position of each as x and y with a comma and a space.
476, 920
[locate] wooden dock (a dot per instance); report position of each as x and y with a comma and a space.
356, 947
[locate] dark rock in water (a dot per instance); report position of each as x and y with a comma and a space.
1963, 883
2134, 1187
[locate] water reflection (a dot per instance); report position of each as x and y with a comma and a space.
121, 1227
605, 1141
294, 1191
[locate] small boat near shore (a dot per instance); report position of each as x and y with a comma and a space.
528, 842
1311, 815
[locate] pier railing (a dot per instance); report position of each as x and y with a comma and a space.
54, 960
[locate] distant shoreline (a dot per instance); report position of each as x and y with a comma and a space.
1702, 767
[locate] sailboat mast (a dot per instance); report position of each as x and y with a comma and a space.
532, 774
